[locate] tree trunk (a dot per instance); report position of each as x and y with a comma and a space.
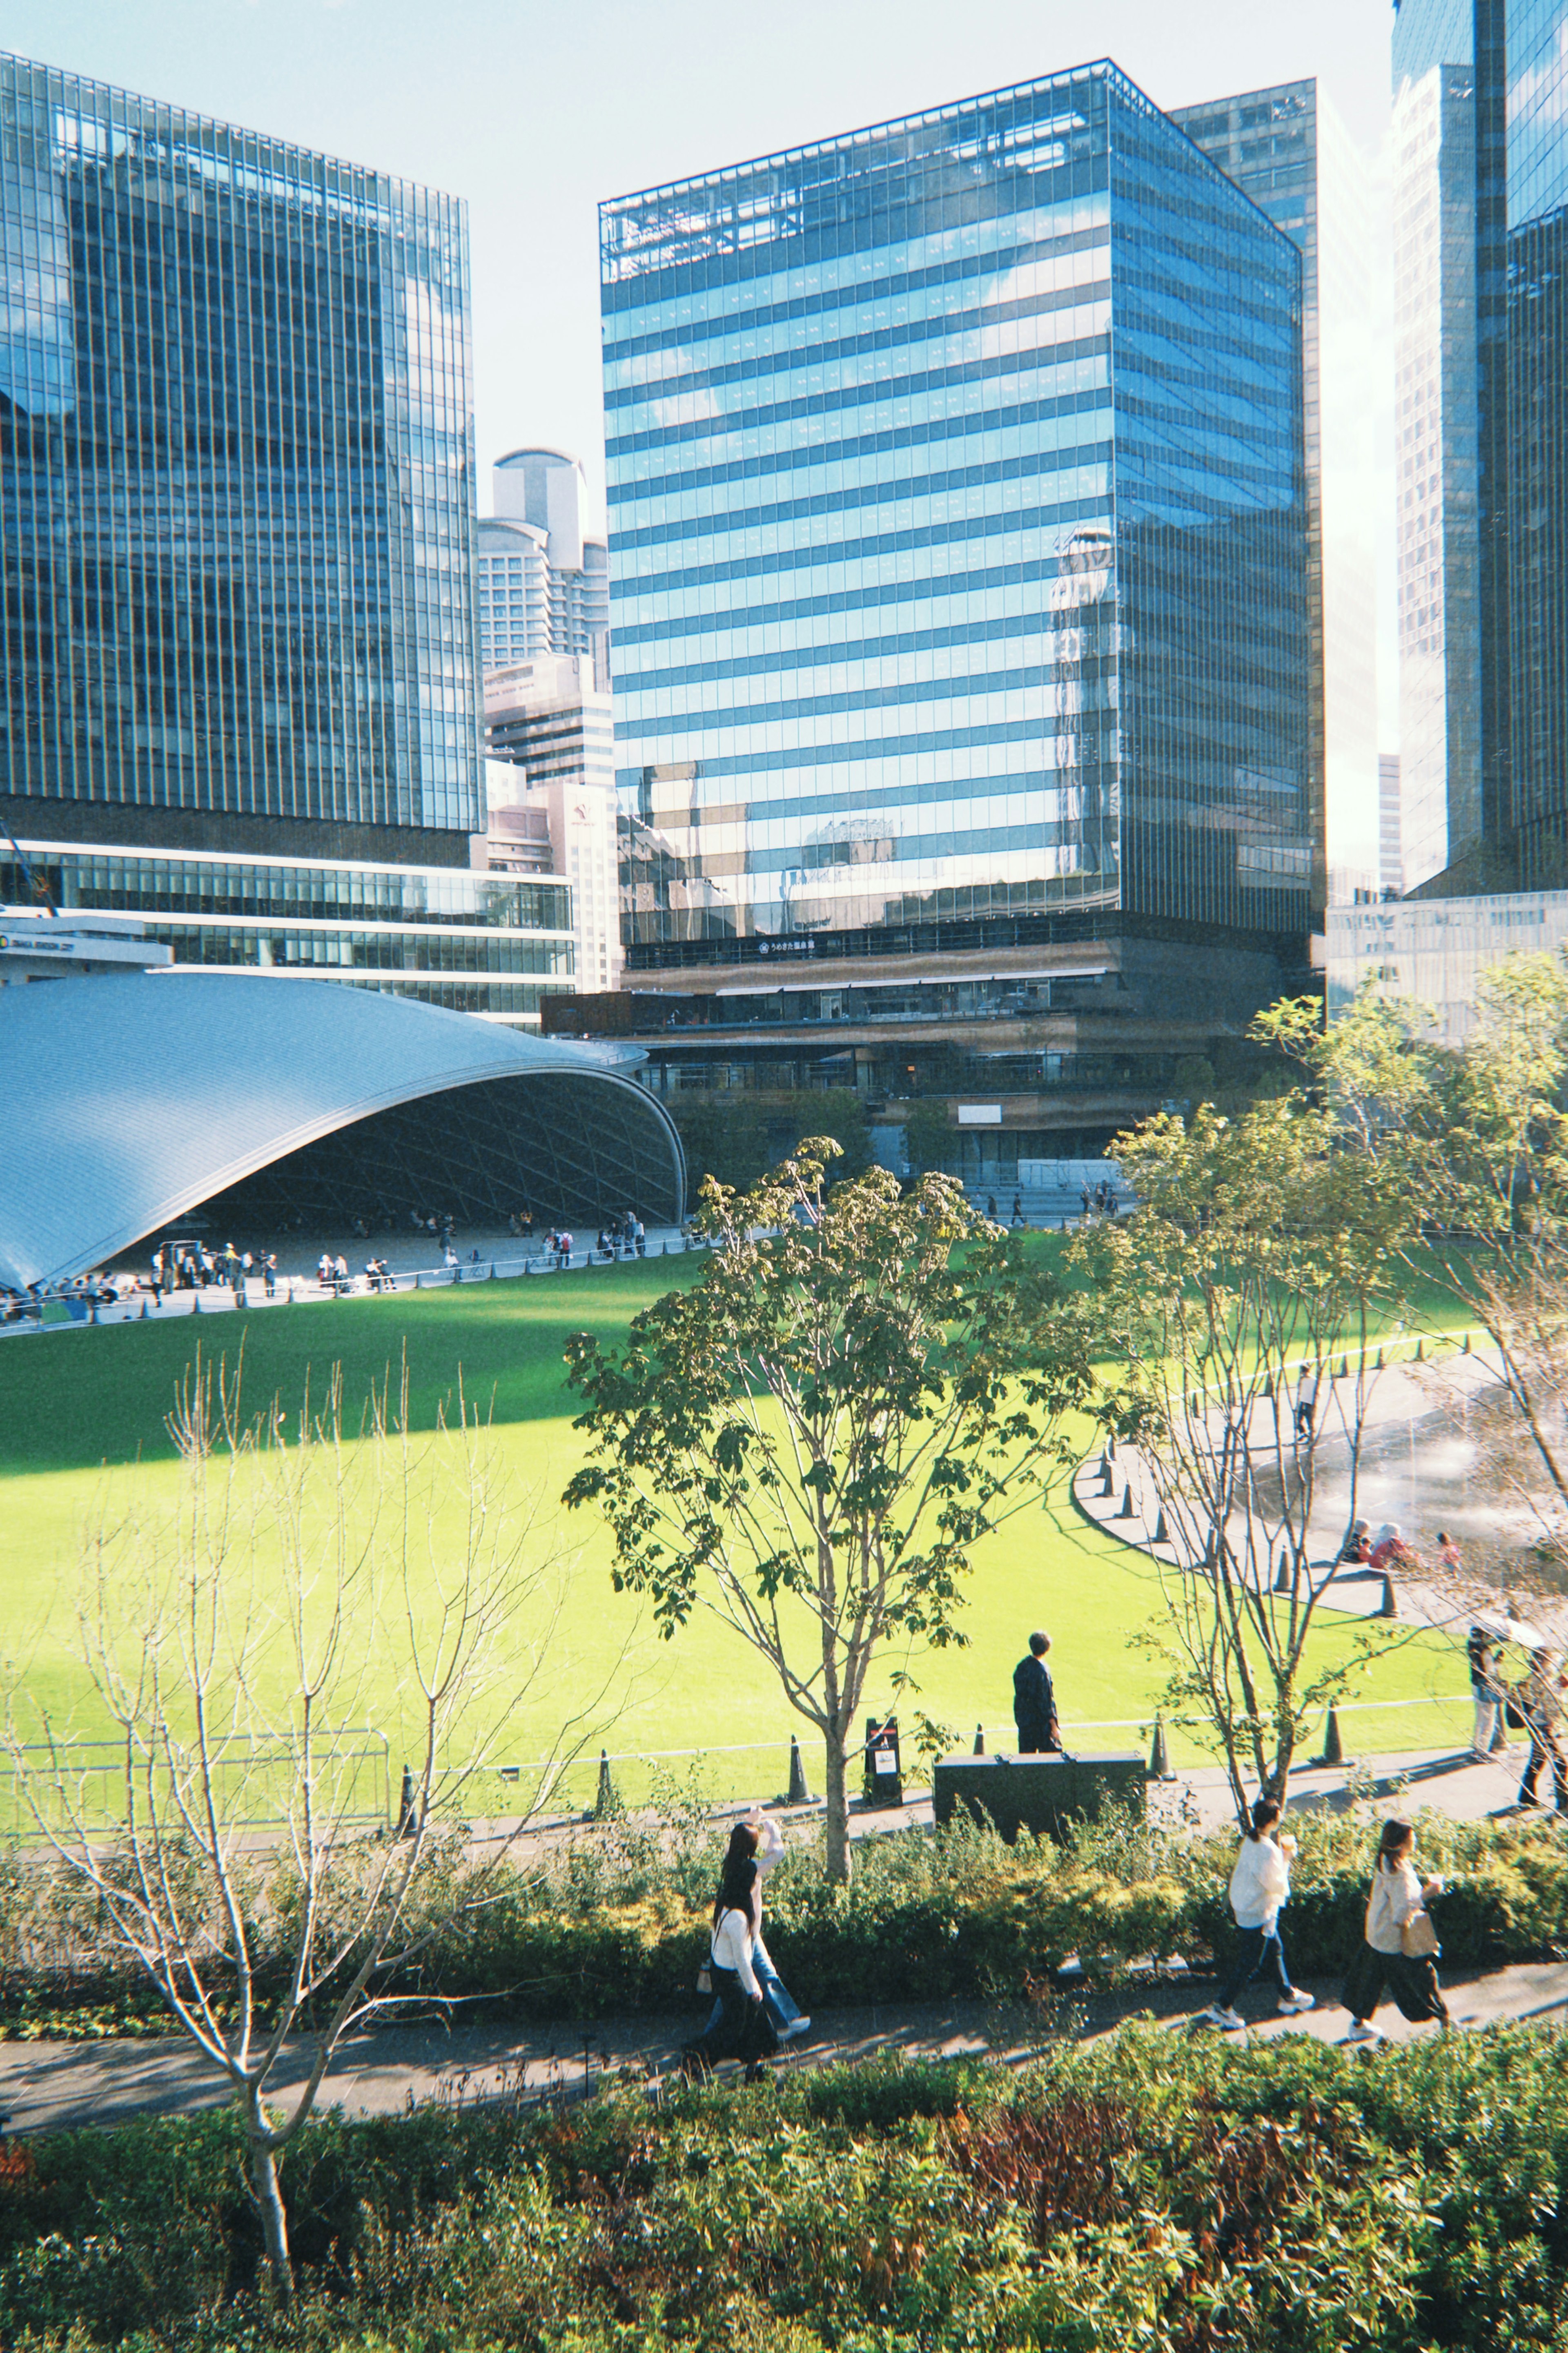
274, 2218
839, 1866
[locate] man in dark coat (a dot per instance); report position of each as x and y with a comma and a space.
1034, 1702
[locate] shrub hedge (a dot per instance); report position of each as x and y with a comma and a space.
1153, 2193
616, 1923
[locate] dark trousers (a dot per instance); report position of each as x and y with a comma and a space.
1039, 1740
1255, 1949
1540, 1750
1413, 1983
743, 2030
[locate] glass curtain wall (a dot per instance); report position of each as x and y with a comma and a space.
926, 608
236, 471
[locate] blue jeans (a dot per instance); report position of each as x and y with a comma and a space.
1256, 1948
777, 1999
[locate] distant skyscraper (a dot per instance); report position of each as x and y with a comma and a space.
551, 787
1480, 138
1390, 847
238, 684
1288, 148
543, 587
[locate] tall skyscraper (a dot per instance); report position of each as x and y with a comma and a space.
1390, 842
1289, 149
1480, 138
552, 788
238, 673
958, 535
544, 586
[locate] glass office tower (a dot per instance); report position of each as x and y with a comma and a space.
235, 490
1288, 148
958, 545
1481, 245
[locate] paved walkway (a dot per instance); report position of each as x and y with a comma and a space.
1406, 1425
55, 2086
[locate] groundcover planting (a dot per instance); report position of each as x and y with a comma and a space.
1149, 2191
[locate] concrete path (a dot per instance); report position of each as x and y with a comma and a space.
57, 2087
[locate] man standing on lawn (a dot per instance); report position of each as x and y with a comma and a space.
1035, 1700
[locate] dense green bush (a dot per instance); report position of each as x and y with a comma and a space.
614, 1921
1154, 2190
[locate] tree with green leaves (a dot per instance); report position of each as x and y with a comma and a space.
1260, 1254
1476, 1143
810, 1441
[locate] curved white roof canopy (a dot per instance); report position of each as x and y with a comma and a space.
126, 1100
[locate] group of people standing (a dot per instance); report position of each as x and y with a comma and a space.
191, 1266
1537, 1703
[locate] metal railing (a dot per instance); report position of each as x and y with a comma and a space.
247, 1773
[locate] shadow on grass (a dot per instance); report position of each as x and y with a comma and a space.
79, 1396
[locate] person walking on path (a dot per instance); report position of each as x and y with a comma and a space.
1538, 1699
1306, 1404
745, 2030
1399, 1947
1259, 1885
1034, 1702
759, 1840
1484, 1691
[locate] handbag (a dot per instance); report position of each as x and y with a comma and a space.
1418, 1939
705, 1980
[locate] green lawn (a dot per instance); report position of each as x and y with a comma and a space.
82, 1420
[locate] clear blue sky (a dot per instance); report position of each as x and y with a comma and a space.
534, 109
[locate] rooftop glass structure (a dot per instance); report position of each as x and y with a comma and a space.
236, 478
958, 538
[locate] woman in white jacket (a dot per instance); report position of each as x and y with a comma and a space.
1260, 1885
1398, 1897
743, 2028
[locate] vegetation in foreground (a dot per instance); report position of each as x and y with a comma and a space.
1152, 2191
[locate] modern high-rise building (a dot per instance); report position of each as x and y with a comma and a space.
551, 783
239, 659
544, 586
958, 528
1481, 140
1390, 843
1289, 149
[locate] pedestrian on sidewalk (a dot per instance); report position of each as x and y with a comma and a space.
1356, 1550
1399, 1947
745, 2030
1484, 1689
1540, 1700
1260, 1886
1034, 1702
759, 1840
1306, 1404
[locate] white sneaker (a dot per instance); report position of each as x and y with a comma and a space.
1362, 2033
1217, 2015
1297, 2000
796, 2026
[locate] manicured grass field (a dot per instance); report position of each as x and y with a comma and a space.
82, 1420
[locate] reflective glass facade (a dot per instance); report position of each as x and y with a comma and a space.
1481, 248
1288, 148
474, 943
236, 474
1436, 950
958, 537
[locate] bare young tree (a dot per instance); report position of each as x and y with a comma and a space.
226, 1644
1244, 1296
